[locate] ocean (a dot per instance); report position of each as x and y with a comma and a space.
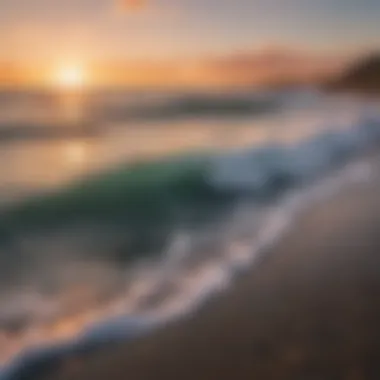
122, 211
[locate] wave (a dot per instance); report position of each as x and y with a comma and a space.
179, 189
145, 199
188, 106
144, 202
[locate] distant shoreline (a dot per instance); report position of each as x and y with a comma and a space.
363, 77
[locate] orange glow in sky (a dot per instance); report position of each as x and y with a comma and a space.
141, 36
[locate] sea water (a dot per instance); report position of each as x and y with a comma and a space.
124, 210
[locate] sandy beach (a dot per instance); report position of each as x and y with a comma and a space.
310, 310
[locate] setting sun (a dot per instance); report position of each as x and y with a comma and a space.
70, 77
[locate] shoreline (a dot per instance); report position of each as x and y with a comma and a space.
294, 317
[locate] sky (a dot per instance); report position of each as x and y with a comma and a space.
39, 32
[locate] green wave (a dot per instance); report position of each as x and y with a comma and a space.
146, 200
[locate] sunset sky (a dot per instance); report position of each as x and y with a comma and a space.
200, 36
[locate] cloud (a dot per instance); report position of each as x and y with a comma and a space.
271, 64
131, 5
275, 65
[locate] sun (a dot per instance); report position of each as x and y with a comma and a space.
70, 77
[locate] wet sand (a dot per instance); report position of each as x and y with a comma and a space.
309, 311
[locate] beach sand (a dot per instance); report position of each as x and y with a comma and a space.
310, 310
